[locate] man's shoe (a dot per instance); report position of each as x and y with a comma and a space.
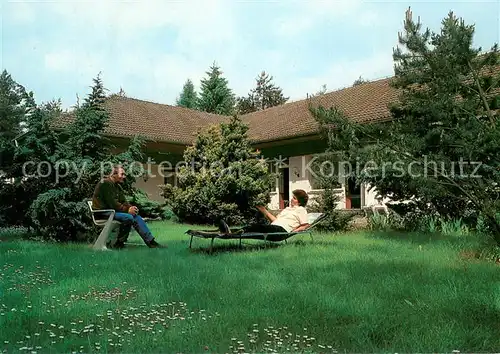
115, 245
153, 244
223, 227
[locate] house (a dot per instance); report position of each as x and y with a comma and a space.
288, 132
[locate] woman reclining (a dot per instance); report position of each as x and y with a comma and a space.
290, 219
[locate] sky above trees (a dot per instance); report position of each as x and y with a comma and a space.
151, 48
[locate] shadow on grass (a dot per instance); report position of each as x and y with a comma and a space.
233, 247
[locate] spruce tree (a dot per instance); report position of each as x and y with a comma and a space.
188, 97
86, 139
265, 95
215, 94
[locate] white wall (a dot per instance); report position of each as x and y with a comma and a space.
274, 204
302, 178
299, 178
151, 185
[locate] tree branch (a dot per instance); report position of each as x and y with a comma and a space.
481, 93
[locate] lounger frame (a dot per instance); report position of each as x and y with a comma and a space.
314, 219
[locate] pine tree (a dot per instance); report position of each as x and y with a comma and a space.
359, 81
265, 95
320, 92
215, 94
440, 151
188, 97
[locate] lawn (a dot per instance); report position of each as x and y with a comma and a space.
354, 292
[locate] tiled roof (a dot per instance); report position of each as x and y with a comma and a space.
367, 102
154, 121
160, 122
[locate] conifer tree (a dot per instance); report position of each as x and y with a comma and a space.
14, 110
215, 94
188, 97
265, 95
86, 139
440, 151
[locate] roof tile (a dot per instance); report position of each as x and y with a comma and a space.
367, 102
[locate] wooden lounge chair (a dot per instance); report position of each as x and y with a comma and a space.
108, 226
238, 234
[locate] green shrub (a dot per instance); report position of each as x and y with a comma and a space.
148, 208
15, 232
56, 215
335, 220
223, 178
378, 222
168, 214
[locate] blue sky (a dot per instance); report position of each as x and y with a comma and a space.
150, 48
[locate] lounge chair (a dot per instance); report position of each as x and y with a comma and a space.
108, 225
238, 234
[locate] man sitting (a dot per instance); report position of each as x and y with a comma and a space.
108, 194
290, 219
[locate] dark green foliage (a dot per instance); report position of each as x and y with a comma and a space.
15, 105
188, 97
53, 174
148, 208
60, 212
57, 214
265, 95
86, 140
215, 94
35, 146
222, 178
443, 117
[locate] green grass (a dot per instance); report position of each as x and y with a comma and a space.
357, 292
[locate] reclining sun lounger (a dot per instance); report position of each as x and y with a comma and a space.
238, 234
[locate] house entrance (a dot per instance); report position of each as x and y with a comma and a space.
353, 194
284, 186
